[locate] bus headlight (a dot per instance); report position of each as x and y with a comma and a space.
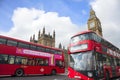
79, 47
90, 74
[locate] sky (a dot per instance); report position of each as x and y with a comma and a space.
23, 18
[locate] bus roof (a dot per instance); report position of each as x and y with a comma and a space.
107, 42
30, 43
83, 32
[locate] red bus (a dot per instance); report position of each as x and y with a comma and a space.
20, 58
92, 58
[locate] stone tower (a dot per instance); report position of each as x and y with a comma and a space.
94, 23
44, 39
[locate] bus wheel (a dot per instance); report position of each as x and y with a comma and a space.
53, 72
19, 72
107, 76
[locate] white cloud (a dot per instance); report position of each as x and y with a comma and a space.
109, 14
29, 21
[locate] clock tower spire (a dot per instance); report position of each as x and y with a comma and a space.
94, 23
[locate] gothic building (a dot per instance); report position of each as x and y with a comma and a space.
94, 23
44, 39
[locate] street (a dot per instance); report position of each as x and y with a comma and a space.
38, 77
41, 77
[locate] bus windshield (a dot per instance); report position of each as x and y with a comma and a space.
87, 36
80, 38
82, 61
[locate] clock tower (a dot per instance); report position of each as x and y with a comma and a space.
94, 23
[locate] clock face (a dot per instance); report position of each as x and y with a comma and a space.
92, 24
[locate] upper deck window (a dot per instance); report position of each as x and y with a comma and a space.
47, 50
32, 47
2, 41
95, 37
80, 38
87, 36
53, 51
59, 52
41, 49
23, 45
11, 43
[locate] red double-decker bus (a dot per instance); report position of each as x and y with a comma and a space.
20, 58
92, 58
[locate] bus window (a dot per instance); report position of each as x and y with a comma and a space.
117, 60
41, 62
2, 41
104, 49
108, 61
59, 52
11, 43
99, 64
18, 60
47, 50
38, 48
23, 45
96, 37
56, 52
84, 37
99, 60
24, 61
31, 61
11, 59
53, 51
103, 57
59, 63
37, 62
32, 47
113, 61
80, 38
41, 49
3, 59
46, 62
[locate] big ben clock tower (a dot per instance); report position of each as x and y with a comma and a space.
94, 23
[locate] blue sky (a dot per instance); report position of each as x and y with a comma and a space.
23, 18
77, 10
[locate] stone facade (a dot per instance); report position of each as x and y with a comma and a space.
44, 39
